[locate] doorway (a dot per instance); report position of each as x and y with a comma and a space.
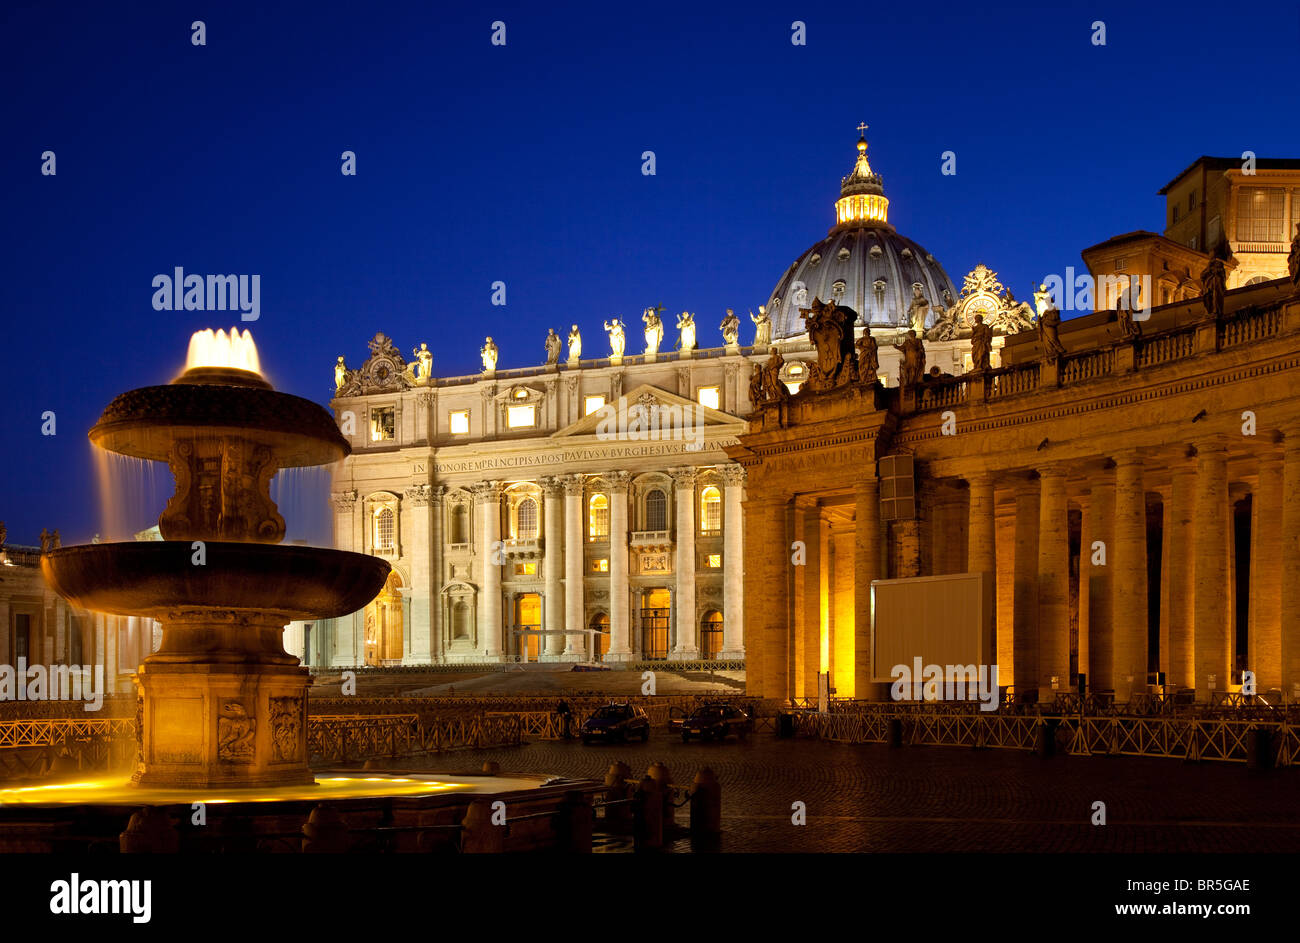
711, 635
600, 636
383, 640
528, 623
656, 610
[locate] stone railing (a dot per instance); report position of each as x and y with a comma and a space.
937, 394
1162, 348
1011, 381
1249, 325
1087, 366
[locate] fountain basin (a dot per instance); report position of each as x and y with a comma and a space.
156, 578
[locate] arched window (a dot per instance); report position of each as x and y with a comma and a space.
460, 524
385, 526
710, 509
598, 517
656, 510
460, 619
711, 634
526, 520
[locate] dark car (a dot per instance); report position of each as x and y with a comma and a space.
618, 722
716, 722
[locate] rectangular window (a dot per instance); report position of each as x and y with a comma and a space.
714, 561
591, 404
1191, 201
1259, 214
1121, 264
600, 566
22, 636
708, 396
458, 421
383, 424
525, 569
521, 417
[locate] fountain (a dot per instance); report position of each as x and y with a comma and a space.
222, 704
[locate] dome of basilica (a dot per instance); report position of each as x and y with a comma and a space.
863, 264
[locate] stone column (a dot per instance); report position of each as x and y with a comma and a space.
866, 567
1053, 584
552, 561
435, 574
1025, 612
417, 545
733, 564
347, 536
1290, 615
1210, 608
1129, 579
1097, 557
1266, 549
1176, 584
487, 495
687, 641
773, 616
980, 546
619, 626
812, 531
574, 570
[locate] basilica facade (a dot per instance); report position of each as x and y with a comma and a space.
586, 509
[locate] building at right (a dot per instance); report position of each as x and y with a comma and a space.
1132, 483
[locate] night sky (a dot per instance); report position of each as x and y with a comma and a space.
522, 163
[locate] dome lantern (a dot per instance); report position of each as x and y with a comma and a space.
862, 199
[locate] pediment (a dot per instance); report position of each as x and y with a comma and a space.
647, 407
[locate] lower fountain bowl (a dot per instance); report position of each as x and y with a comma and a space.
153, 578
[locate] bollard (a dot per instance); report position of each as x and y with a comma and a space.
648, 822
324, 832
706, 804
491, 767
374, 763
1046, 738
1259, 753
64, 764
618, 818
575, 822
478, 836
895, 731
785, 725
150, 831
659, 773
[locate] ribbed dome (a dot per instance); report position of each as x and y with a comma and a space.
863, 264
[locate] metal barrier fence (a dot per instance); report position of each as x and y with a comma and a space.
344, 738
578, 702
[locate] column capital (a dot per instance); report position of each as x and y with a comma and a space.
344, 500
486, 492
1055, 469
574, 484
619, 481
683, 478
733, 475
1291, 438
1127, 457
419, 495
552, 486
984, 478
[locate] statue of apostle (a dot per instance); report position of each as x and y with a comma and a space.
981, 344
489, 354
575, 344
762, 327
553, 345
912, 367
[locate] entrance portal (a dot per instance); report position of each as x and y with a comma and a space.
655, 612
383, 640
528, 622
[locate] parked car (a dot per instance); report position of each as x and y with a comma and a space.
618, 722
716, 722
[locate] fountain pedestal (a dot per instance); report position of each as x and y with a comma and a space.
222, 704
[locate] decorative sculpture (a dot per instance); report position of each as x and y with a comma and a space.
774, 388
981, 344
1214, 281
423, 365
1015, 316
868, 359
1049, 334
730, 328
686, 325
756, 387
1129, 329
918, 309
489, 354
1042, 299
762, 327
912, 367
340, 374
831, 332
45, 541
1293, 259
575, 344
4, 534
617, 339
654, 329
553, 345
385, 372
55, 540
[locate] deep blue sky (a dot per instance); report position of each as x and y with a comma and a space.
522, 163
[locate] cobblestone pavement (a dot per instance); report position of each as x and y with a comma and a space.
936, 799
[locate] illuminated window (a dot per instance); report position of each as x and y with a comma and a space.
520, 393
598, 517
592, 403
713, 561
525, 569
458, 421
1260, 214
710, 509
385, 525
656, 510
520, 417
526, 520
600, 566
383, 424
707, 396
